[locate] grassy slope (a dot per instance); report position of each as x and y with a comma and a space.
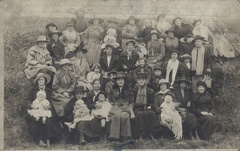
20, 36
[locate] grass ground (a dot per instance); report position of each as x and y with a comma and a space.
20, 34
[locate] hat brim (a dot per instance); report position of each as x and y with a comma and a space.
135, 19
66, 64
130, 41
113, 21
158, 35
81, 49
53, 25
100, 20
200, 38
59, 34
46, 76
179, 81
123, 77
173, 31
41, 40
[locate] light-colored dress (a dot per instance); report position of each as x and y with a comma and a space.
163, 26
104, 111
92, 75
38, 59
202, 31
93, 39
38, 109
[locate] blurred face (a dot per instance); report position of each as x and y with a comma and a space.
168, 99
161, 19
96, 70
79, 95
170, 34
42, 44
70, 28
101, 97
186, 60
55, 37
148, 24
95, 22
198, 43
141, 81
174, 56
109, 51
41, 81
163, 86
178, 22
143, 44
120, 82
112, 24
141, 63
79, 54
201, 89
80, 13
157, 72
198, 23
132, 22
96, 85
52, 28
214, 18
65, 67
41, 97
130, 46
183, 85
154, 37
112, 76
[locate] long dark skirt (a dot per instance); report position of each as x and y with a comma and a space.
190, 123
208, 123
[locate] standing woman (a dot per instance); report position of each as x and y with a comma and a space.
130, 31
63, 85
93, 39
173, 69
222, 47
121, 97
181, 29
42, 133
172, 42
163, 25
201, 106
146, 118
145, 32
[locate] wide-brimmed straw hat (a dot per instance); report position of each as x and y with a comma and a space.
40, 75
65, 62
134, 18
55, 32
41, 38
99, 19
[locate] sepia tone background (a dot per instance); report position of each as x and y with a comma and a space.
24, 20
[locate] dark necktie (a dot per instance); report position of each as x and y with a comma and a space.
197, 58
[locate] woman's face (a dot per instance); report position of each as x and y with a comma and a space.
174, 55
201, 89
148, 24
80, 13
112, 76
161, 19
186, 60
96, 85
52, 28
55, 37
163, 86
170, 34
42, 44
132, 22
79, 54
109, 51
130, 46
70, 28
141, 81
65, 67
112, 24
95, 22
79, 95
178, 22
183, 85
154, 37
120, 82
41, 81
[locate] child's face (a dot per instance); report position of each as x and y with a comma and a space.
201, 89
141, 81
55, 37
186, 60
41, 97
170, 34
96, 70
70, 28
130, 46
112, 76
96, 22
132, 22
168, 99
101, 97
157, 72
141, 63
52, 28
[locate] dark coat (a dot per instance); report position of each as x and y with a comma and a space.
145, 34
183, 100
130, 63
80, 24
56, 50
154, 82
91, 100
145, 69
183, 31
114, 63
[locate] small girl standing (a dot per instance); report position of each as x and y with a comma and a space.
95, 73
143, 67
40, 107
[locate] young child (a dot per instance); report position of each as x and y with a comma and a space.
187, 65
143, 67
95, 73
170, 116
157, 75
110, 38
49, 28
81, 113
111, 75
103, 112
141, 48
40, 107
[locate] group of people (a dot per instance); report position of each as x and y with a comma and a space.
114, 84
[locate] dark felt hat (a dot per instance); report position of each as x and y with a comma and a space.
51, 24
161, 15
112, 72
170, 30
80, 89
55, 32
182, 79
112, 20
134, 18
141, 75
174, 51
80, 48
70, 23
157, 68
109, 45
176, 19
197, 37
154, 32
201, 83
120, 75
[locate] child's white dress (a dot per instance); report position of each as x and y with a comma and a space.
38, 109
92, 75
104, 111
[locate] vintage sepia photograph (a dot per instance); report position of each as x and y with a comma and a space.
120, 74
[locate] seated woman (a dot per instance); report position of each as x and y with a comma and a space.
63, 85
70, 39
184, 97
201, 106
181, 29
42, 133
39, 58
93, 93
163, 25
146, 30
146, 118
121, 97
55, 48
